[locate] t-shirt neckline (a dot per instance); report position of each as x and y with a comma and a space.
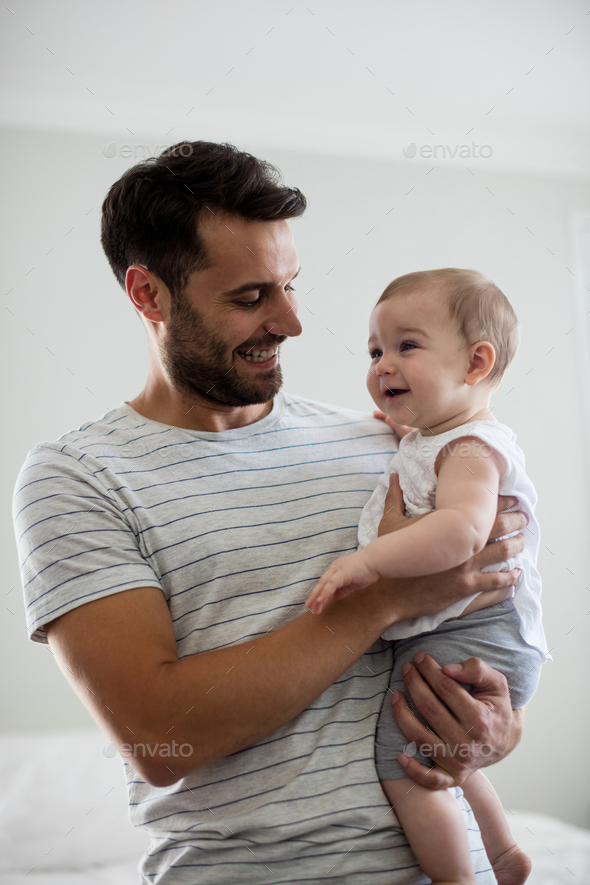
275, 414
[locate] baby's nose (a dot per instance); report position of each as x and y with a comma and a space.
386, 367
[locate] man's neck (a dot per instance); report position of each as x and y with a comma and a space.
159, 403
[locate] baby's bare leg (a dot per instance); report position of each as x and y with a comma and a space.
510, 864
435, 828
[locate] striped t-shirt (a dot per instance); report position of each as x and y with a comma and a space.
235, 528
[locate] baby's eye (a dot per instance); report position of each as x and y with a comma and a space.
375, 354
406, 345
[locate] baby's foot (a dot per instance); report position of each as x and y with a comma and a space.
513, 867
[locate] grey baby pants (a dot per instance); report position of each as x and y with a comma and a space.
491, 634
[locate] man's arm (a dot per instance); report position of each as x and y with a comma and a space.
119, 653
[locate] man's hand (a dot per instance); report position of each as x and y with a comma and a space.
394, 512
469, 731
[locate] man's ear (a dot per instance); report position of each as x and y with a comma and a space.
147, 293
481, 359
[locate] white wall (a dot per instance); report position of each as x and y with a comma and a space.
72, 347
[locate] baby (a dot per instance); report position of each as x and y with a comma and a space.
440, 342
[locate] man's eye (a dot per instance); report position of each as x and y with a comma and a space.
253, 302
288, 288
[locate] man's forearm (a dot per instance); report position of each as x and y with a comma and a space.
222, 701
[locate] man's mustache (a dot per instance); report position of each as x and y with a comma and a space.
266, 342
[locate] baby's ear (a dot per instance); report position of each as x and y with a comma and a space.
482, 357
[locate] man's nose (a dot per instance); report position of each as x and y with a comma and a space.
282, 318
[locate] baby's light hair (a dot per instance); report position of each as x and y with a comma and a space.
480, 309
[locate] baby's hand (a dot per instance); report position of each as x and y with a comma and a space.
400, 429
345, 575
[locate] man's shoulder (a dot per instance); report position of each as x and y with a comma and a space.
69, 452
112, 426
120, 439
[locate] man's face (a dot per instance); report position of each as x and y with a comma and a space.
222, 337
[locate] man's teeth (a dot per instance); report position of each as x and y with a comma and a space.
258, 356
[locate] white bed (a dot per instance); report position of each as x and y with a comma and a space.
63, 818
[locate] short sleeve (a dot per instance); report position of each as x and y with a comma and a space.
76, 540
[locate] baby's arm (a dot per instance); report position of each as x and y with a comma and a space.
458, 529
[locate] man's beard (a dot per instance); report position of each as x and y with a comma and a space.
197, 362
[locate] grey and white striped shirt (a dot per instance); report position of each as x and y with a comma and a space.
234, 528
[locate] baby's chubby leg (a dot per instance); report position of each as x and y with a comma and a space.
510, 864
348, 573
435, 828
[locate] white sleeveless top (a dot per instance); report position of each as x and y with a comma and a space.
415, 465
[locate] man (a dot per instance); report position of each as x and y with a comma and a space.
168, 547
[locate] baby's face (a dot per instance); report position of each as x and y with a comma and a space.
418, 360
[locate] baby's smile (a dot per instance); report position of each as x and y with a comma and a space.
395, 393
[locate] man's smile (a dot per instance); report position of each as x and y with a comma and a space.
255, 355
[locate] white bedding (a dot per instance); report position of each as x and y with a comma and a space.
63, 819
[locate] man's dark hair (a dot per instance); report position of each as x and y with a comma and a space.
150, 215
